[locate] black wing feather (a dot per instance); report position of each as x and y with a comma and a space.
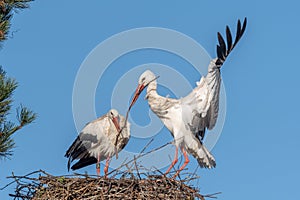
244, 26
222, 45
222, 51
238, 32
75, 144
79, 148
219, 52
84, 162
229, 38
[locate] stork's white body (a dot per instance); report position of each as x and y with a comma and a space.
188, 117
96, 141
105, 133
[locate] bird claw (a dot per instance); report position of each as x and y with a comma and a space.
177, 173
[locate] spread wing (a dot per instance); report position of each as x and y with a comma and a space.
195, 108
200, 108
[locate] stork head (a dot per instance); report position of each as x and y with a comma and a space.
145, 79
115, 118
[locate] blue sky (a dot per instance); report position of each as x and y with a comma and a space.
257, 151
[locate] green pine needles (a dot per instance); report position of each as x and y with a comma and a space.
9, 85
8, 128
6, 11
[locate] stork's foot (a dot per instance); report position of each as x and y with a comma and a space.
106, 167
186, 161
98, 169
165, 175
168, 171
106, 173
177, 173
173, 162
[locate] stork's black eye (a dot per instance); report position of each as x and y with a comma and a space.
143, 79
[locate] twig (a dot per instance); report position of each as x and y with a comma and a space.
212, 196
20, 177
152, 184
141, 155
118, 135
136, 168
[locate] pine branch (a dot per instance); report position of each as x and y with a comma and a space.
8, 128
5, 17
8, 85
6, 142
25, 116
18, 4
6, 11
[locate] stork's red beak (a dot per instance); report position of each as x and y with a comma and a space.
137, 93
116, 123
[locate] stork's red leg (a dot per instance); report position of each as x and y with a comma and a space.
106, 166
174, 161
98, 165
186, 161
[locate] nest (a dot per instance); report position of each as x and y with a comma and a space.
80, 186
155, 187
121, 184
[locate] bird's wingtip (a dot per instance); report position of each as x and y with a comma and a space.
222, 50
68, 165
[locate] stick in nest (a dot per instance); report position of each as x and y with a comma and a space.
85, 187
126, 118
131, 184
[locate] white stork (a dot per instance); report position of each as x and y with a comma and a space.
96, 141
188, 118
